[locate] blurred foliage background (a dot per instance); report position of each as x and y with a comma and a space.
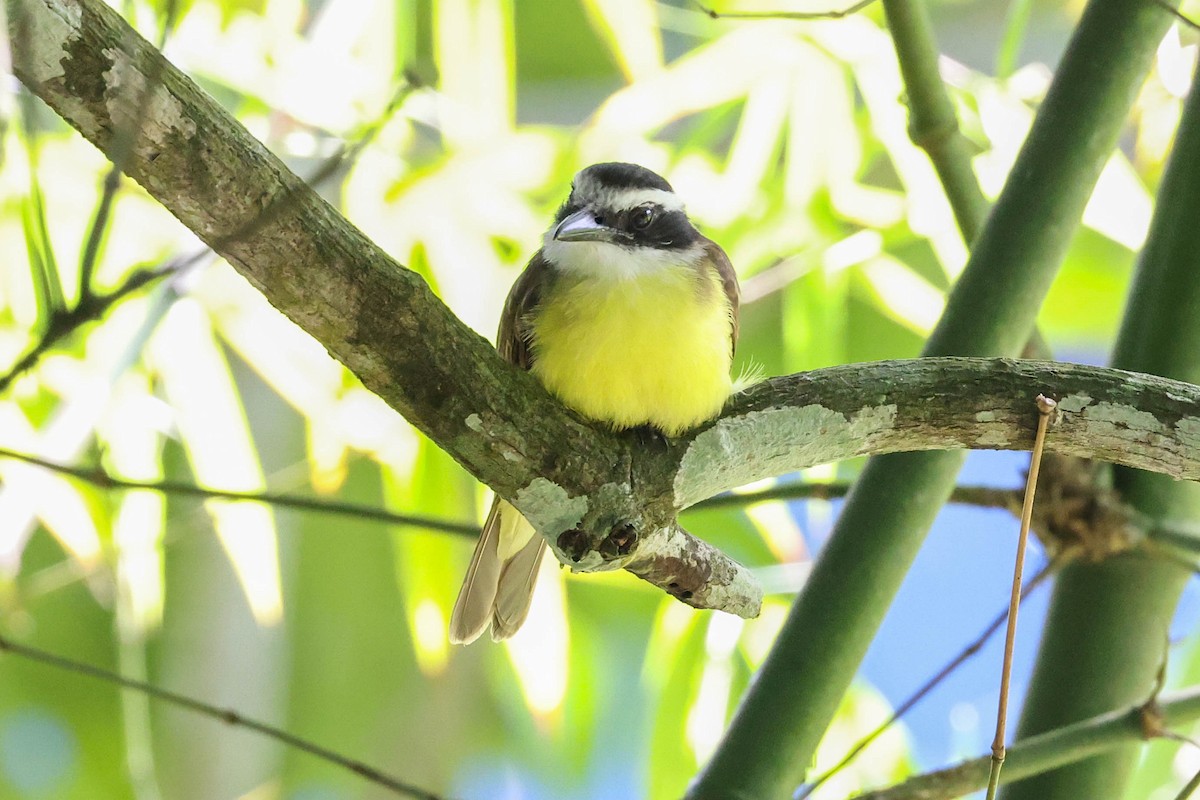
787, 139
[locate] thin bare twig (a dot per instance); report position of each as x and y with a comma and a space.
966, 653
98, 477
830, 14
1046, 751
228, 716
1177, 14
65, 322
1189, 788
982, 496
1045, 407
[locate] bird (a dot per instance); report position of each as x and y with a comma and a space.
629, 316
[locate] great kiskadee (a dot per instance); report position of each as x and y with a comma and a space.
629, 316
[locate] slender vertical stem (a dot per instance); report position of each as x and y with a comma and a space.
1045, 408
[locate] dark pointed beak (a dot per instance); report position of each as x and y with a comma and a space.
583, 227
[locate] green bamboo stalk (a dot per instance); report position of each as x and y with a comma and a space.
1106, 635
1016, 23
773, 736
932, 123
933, 126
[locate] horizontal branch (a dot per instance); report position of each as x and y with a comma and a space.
1042, 753
827, 415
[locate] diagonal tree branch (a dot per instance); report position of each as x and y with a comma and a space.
379, 319
1047, 751
602, 501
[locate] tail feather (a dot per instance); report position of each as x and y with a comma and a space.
473, 609
499, 584
514, 591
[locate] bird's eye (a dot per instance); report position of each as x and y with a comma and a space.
641, 217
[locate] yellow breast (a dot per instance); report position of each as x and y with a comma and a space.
651, 349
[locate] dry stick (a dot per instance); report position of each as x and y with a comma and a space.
712, 13
967, 652
228, 716
1045, 407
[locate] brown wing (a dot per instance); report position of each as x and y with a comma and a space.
512, 340
499, 592
729, 283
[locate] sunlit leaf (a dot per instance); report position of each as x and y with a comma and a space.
630, 30
674, 659
48, 291
877, 77
30, 494
133, 451
429, 569
213, 428
478, 91
63, 733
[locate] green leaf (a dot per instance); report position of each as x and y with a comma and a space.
1016, 23
61, 734
48, 288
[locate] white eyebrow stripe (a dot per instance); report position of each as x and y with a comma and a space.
587, 189
622, 199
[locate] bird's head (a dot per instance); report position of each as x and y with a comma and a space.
621, 220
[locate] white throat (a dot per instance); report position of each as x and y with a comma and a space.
614, 262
